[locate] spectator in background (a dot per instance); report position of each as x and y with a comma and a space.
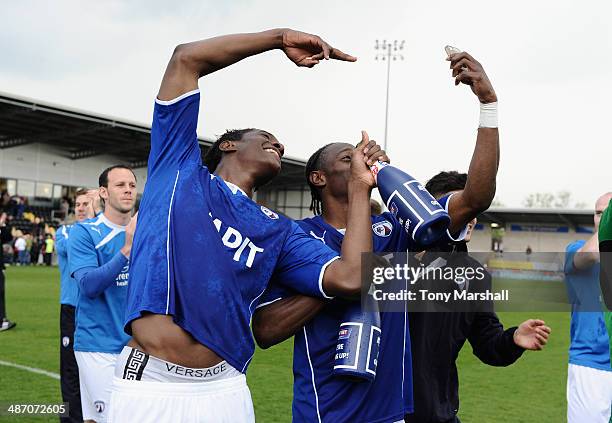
5, 237
20, 247
41, 249
5, 200
34, 251
589, 376
64, 208
528, 252
48, 248
28, 255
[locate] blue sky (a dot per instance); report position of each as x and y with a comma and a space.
549, 61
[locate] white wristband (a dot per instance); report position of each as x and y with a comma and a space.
488, 115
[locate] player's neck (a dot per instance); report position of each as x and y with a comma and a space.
335, 212
241, 180
117, 217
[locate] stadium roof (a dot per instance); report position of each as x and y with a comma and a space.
568, 217
80, 134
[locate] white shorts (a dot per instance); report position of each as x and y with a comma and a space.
96, 371
147, 389
589, 394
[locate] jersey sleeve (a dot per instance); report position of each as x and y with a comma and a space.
460, 236
273, 293
570, 253
61, 241
174, 142
81, 250
302, 263
605, 230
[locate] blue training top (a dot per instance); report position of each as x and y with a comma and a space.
203, 251
99, 320
589, 341
69, 289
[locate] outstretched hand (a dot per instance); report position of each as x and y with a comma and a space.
307, 49
469, 71
532, 335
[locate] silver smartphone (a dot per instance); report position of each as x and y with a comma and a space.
451, 50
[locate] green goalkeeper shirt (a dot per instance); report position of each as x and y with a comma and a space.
605, 249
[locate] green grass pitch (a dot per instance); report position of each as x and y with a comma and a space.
532, 390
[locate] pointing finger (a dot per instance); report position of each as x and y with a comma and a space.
339, 55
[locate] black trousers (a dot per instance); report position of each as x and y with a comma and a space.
2, 303
69, 371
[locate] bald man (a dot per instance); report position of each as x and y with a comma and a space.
589, 375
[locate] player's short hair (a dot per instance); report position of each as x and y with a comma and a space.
315, 162
214, 154
103, 179
82, 191
445, 182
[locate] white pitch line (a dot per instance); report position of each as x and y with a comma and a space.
30, 369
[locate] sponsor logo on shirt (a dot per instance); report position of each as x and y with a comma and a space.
241, 245
320, 238
269, 213
344, 333
383, 228
122, 278
65, 341
95, 228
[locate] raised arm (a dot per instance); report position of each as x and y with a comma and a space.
192, 61
588, 254
480, 187
93, 280
61, 241
343, 277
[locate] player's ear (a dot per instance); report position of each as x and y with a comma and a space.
317, 178
103, 193
228, 146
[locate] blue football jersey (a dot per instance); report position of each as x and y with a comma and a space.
203, 251
69, 288
99, 320
589, 341
318, 395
